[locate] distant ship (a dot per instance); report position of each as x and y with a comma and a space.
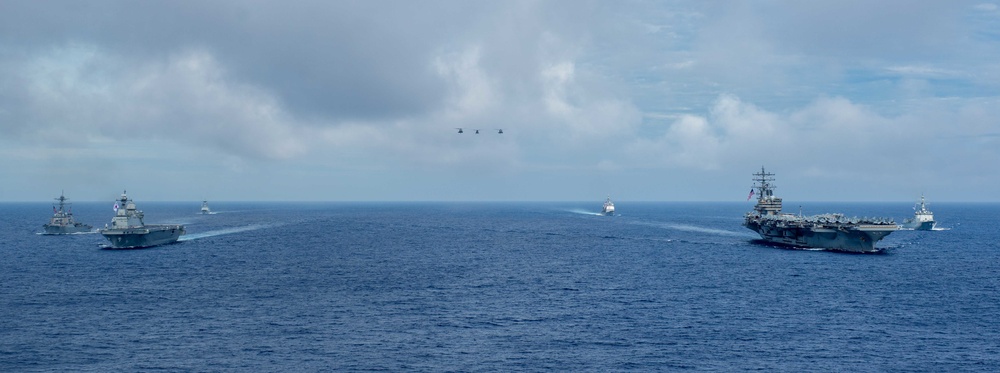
609, 207
922, 220
204, 208
826, 231
62, 220
128, 231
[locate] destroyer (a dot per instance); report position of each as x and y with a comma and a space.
204, 208
128, 231
609, 207
826, 231
62, 220
922, 220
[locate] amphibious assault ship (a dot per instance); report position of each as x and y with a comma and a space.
128, 231
62, 220
922, 220
826, 231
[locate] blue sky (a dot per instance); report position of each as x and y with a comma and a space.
640, 100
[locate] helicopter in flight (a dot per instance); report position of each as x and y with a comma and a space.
460, 130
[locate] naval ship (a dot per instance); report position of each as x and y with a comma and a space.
204, 208
922, 220
826, 231
609, 207
128, 231
62, 220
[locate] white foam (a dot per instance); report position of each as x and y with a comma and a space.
219, 232
694, 228
583, 212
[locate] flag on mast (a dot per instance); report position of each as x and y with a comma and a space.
751, 194
116, 207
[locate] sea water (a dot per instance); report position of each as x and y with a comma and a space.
495, 287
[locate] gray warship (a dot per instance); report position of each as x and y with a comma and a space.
128, 231
922, 220
609, 207
62, 220
826, 231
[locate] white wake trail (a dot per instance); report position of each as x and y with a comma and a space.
219, 232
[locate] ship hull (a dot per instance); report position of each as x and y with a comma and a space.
859, 239
144, 236
921, 226
66, 229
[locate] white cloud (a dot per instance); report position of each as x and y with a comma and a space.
193, 87
471, 91
589, 87
923, 71
555, 79
986, 7
832, 134
186, 98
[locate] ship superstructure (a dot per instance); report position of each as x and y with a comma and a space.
129, 231
827, 231
62, 219
922, 220
609, 207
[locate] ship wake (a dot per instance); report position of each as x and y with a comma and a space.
878, 250
694, 228
220, 232
584, 212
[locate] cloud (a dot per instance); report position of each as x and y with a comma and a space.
303, 88
76, 90
471, 90
831, 133
853, 28
986, 7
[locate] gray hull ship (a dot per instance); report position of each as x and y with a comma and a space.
826, 231
609, 207
62, 220
128, 231
922, 220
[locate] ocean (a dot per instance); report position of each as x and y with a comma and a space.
495, 287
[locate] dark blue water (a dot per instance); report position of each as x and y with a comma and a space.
494, 287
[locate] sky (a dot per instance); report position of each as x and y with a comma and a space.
247, 100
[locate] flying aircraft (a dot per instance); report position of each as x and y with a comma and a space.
460, 130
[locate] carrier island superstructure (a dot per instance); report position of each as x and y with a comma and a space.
826, 231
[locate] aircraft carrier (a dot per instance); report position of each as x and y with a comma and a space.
128, 231
834, 232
